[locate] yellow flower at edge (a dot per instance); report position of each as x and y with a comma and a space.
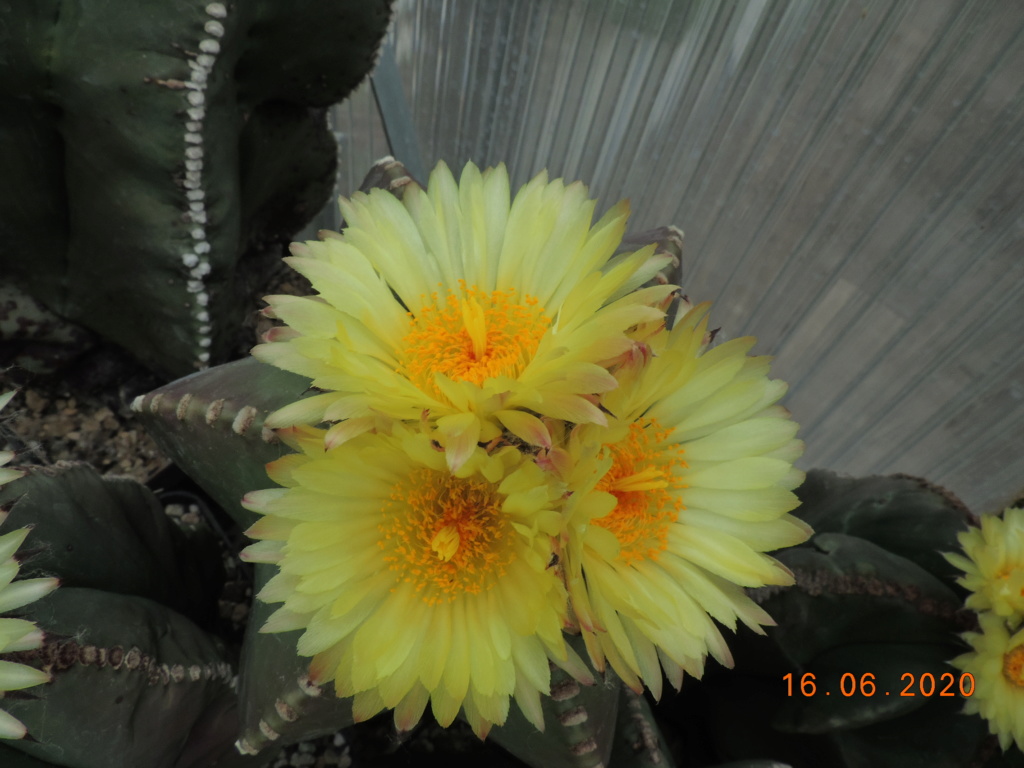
996, 662
415, 584
675, 502
16, 634
993, 565
459, 303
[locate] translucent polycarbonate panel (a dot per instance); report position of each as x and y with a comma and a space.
359, 131
850, 177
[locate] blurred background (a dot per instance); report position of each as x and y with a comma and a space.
849, 175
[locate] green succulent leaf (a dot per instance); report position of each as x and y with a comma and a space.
867, 683
110, 534
849, 591
579, 723
14, 758
903, 515
132, 681
211, 425
278, 704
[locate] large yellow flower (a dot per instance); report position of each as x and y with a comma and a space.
675, 503
16, 634
997, 663
414, 583
458, 303
993, 563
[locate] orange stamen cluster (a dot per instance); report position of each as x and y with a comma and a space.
641, 479
472, 336
445, 535
1013, 666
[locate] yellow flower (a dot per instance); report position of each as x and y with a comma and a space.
997, 663
414, 583
993, 564
675, 503
458, 303
16, 634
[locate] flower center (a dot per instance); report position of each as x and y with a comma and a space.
1013, 666
473, 336
641, 478
446, 535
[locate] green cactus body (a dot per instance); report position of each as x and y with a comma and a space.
211, 425
579, 725
279, 703
875, 613
135, 679
126, 134
111, 534
131, 680
905, 515
868, 629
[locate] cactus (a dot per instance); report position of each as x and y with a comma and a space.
197, 421
137, 678
148, 146
874, 605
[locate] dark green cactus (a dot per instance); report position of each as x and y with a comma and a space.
874, 612
147, 146
132, 680
201, 419
579, 724
137, 680
197, 421
279, 703
112, 535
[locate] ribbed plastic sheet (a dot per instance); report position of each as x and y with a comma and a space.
849, 175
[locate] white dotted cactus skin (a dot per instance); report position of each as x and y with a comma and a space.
196, 259
142, 161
